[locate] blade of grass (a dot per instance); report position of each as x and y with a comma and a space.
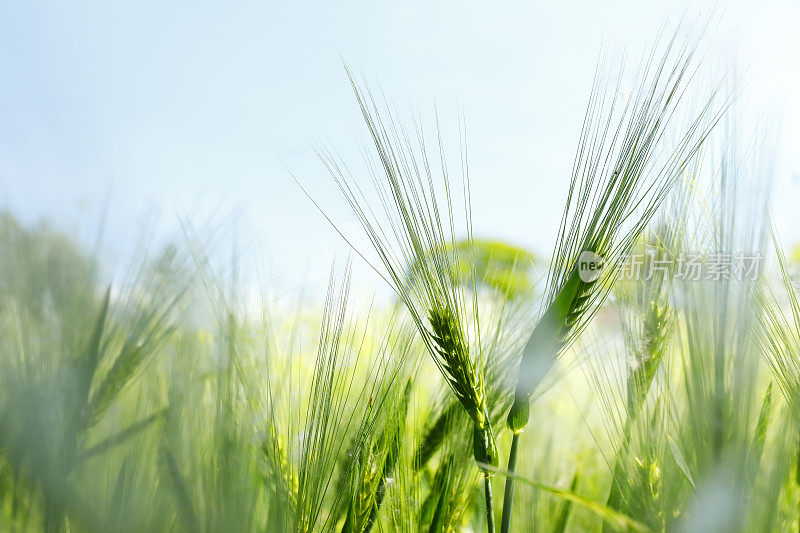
616, 519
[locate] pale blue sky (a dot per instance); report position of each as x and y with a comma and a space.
199, 108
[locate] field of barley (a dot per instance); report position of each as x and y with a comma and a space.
642, 374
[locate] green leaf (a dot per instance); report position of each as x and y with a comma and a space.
680, 460
563, 515
119, 438
614, 518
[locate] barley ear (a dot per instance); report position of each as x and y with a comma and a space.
465, 381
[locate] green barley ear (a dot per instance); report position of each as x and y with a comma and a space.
451, 490
646, 312
283, 477
433, 508
415, 225
345, 409
369, 475
646, 317
721, 362
760, 435
453, 350
436, 434
503, 340
657, 324
621, 175
465, 382
779, 334
619, 180
392, 438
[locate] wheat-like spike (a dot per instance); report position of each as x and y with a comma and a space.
647, 359
779, 334
435, 434
284, 477
465, 382
415, 241
618, 183
367, 481
646, 315
453, 350
656, 329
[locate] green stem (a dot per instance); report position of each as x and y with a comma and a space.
487, 486
508, 496
797, 481
615, 494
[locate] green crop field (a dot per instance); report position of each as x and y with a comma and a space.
643, 375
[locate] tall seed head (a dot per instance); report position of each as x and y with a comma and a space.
467, 384
655, 333
621, 176
453, 349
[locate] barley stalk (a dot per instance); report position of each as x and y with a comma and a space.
414, 232
617, 186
